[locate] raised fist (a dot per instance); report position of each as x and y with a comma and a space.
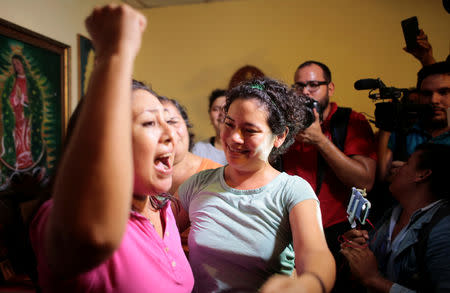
116, 29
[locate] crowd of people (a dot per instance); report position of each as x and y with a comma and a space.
261, 206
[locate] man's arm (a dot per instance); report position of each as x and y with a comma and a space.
423, 52
353, 171
384, 155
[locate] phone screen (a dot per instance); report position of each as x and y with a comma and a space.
410, 28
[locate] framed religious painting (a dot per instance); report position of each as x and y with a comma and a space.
34, 95
86, 56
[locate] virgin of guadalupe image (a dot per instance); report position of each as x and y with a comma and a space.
22, 148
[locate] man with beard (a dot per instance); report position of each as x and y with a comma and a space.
433, 82
330, 168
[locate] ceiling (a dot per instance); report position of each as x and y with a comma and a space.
141, 4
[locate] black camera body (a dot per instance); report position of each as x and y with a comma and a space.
312, 104
398, 114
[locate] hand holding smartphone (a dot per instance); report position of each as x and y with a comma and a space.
411, 30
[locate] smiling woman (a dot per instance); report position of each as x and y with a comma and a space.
248, 220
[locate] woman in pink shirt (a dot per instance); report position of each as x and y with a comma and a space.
87, 238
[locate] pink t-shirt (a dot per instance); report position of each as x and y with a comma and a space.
143, 262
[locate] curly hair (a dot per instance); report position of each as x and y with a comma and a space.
182, 110
285, 108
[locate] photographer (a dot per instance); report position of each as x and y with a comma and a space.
334, 154
409, 250
434, 86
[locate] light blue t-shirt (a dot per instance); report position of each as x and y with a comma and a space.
416, 136
239, 238
205, 149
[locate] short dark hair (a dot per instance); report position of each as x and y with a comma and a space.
217, 93
436, 157
326, 71
284, 108
432, 69
182, 110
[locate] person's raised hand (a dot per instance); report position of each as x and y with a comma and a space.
423, 51
116, 29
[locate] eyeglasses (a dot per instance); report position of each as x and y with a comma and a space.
312, 85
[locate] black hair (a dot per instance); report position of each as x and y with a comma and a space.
432, 69
217, 93
182, 110
285, 109
139, 85
436, 157
326, 71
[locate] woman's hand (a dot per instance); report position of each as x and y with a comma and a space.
116, 28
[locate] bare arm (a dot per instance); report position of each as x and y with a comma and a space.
354, 171
91, 206
423, 52
384, 155
312, 256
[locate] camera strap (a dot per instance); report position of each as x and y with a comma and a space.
338, 129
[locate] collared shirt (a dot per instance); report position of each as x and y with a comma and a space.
144, 262
392, 247
397, 261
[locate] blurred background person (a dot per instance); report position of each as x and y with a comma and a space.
185, 163
212, 148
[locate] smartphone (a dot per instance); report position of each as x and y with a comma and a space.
358, 207
410, 28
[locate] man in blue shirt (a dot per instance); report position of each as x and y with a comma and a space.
433, 83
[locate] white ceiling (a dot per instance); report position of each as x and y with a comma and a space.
141, 4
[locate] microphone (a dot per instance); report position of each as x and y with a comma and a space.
368, 84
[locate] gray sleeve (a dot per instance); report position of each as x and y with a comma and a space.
298, 190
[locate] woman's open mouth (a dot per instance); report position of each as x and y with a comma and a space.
164, 163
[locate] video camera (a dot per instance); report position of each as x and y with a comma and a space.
399, 113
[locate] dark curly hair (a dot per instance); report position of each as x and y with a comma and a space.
284, 108
182, 110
